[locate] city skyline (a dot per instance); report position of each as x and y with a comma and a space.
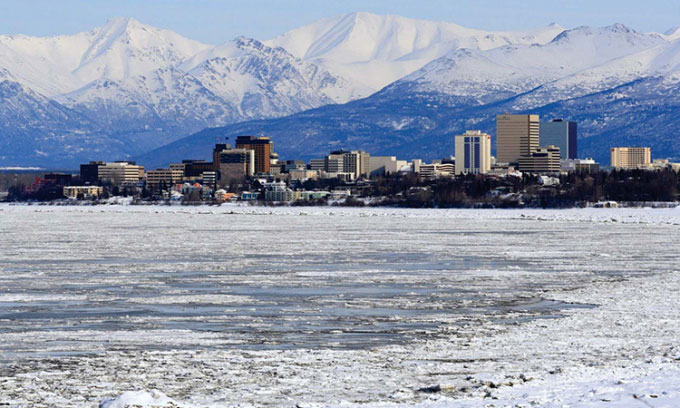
215, 22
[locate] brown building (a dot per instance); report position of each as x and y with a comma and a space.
516, 136
219, 148
263, 148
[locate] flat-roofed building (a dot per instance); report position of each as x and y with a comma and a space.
541, 160
219, 148
357, 162
303, 175
163, 179
560, 133
263, 148
435, 170
89, 173
630, 157
586, 166
279, 191
82, 191
385, 165
516, 136
335, 162
317, 164
194, 169
59, 179
294, 165
473, 153
121, 172
236, 164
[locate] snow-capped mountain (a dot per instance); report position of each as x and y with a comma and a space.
260, 79
376, 50
121, 49
127, 88
477, 76
620, 85
151, 86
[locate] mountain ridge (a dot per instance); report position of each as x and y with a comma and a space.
137, 88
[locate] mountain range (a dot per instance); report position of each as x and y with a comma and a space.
386, 84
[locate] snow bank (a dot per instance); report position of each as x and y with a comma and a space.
151, 398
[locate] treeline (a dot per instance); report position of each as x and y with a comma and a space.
571, 190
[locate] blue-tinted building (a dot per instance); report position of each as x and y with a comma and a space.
562, 134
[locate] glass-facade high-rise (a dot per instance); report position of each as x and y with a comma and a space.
562, 134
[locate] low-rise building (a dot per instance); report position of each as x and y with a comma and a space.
86, 192
278, 191
435, 170
161, 179
586, 166
541, 160
222, 196
384, 165
121, 173
663, 164
313, 195
302, 175
250, 195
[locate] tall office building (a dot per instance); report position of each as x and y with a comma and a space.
358, 163
562, 134
473, 153
630, 157
263, 148
516, 136
89, 173
236, 163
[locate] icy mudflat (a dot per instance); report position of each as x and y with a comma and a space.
224, 306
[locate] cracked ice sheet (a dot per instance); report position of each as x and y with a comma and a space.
339, 306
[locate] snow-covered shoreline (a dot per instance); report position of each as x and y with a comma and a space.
621, 351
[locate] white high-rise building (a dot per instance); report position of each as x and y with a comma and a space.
473, 153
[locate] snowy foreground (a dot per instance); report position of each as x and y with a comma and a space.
243, 306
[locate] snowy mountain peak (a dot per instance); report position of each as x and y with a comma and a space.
378, 49
618, 32
672, 34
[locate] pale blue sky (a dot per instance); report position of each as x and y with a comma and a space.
216, 21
